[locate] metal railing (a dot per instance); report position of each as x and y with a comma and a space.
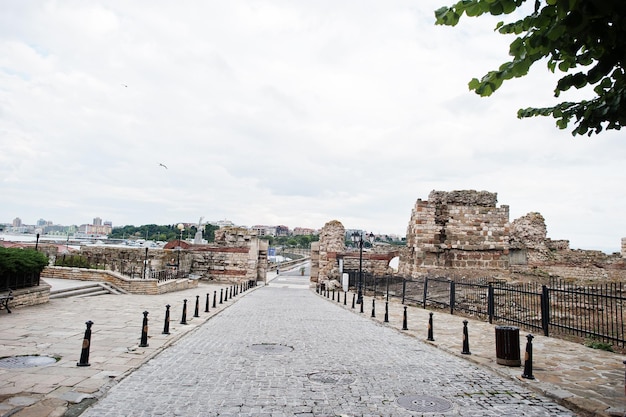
14, 282
592, 311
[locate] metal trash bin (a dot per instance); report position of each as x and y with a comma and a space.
507, 346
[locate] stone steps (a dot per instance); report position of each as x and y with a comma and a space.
88, 290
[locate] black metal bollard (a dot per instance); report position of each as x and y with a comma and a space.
221, 294
84, 353
528, 358
317, 288
333, 294
404, 321
386, 311
206, 306
345, 298
196, 312
226, 295
231, 291
466, 350
215, 299
166, 325
183, 320
430, 327
353, 297
361, 308
373, 307
144, 331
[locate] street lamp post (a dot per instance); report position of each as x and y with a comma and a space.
357, 238
180, 227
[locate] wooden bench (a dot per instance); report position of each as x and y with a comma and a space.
4, 300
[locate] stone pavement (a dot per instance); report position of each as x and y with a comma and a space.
56, 330
588, 381
306, 355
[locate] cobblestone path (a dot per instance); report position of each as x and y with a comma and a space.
283, 350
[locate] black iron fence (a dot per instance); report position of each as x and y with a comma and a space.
593, 311
167, 274
14, 282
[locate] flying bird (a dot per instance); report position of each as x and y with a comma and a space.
162, 165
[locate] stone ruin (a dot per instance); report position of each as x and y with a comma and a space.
236, 255
465, 234
330, 257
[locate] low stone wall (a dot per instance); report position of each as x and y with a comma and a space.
133, 286
31, 296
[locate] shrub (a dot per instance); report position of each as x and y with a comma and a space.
596, 344
14, 261
74, 261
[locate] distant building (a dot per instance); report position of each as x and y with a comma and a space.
262, 230
303, 231
97, 221
17, 222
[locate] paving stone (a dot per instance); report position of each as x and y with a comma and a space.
213, 370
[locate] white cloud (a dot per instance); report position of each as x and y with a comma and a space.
280, 112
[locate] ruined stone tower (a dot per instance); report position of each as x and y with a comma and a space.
457, 229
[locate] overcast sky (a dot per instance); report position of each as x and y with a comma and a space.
281, 112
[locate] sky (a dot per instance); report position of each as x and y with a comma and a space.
276, 112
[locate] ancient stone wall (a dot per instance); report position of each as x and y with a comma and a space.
373, 263
331, 242
463, 233
457, 229
133, 286
315, 261
237, 255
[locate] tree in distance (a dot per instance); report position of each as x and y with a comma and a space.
586, 39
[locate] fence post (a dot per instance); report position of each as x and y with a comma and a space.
144, 331
452, 296
545, 309
425, 292
466, 350
528, 359
183, 320
430, 327
166, 325
490, 303
404, 320
84, 353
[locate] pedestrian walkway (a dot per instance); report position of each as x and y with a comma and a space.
56, 330
285, 351
588, 381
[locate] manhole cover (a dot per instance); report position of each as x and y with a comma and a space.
26, 361
424, 403
271, 348
330, 377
